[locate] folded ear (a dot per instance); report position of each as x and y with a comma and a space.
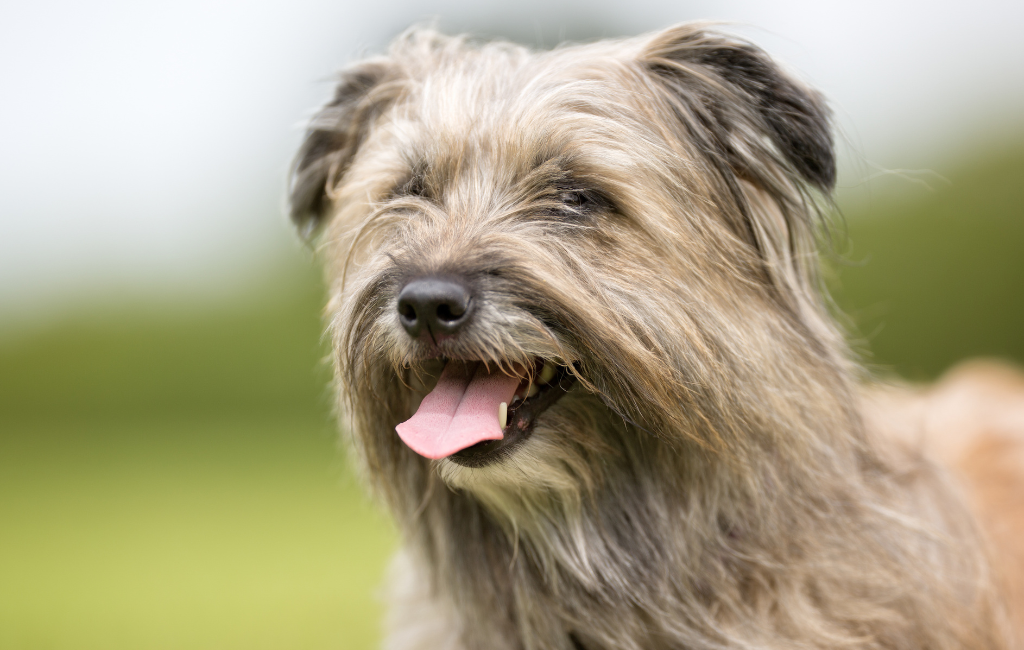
333, 137
739, 94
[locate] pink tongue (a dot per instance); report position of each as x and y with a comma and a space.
461, 411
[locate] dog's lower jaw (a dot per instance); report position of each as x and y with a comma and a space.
553, 469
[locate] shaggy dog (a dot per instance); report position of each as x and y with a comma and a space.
586, 362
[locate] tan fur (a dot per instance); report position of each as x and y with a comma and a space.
643, 212
972, 423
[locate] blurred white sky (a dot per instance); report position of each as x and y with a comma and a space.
144, 145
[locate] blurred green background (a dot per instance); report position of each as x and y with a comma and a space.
169, 472
170, 478
931, 269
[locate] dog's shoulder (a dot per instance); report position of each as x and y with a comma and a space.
971, 424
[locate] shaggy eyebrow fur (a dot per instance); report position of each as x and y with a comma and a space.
644, 214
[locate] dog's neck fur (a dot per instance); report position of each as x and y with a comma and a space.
677, 548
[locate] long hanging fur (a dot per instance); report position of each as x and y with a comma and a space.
708, 482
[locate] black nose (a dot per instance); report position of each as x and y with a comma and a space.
436, 305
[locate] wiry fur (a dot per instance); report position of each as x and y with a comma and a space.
708, 482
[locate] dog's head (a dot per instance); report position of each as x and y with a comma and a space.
544, 266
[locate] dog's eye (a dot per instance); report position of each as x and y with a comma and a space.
579, 203
414, 186
573, 199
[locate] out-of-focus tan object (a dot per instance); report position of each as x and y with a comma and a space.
972, 423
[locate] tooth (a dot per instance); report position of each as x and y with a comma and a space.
547, 373
502, 414
533, 391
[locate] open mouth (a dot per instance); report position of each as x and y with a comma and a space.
478, 413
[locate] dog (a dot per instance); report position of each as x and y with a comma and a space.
585, 359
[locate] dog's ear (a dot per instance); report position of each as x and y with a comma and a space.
731, 86
333, 137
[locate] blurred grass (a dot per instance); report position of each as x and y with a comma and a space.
185, 535
169, 476
253, 356
936, 275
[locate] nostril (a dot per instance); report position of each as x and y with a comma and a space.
450, 313
407, 312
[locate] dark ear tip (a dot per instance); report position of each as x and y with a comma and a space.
306, 199
795, 118
812, 148
823, 176
334, 135
805, 138
305, 214
307, 225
